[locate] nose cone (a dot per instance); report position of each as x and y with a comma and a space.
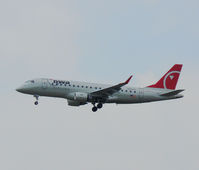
20, 89
23, 88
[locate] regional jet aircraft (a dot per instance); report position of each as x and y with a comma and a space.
81, 93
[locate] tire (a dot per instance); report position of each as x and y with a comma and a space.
99, 105
94, 109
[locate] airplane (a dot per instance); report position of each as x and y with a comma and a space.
81, 93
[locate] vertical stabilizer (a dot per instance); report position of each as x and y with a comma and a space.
170, 79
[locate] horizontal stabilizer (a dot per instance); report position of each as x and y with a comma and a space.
172, 93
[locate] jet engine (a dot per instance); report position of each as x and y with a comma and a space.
75, 103
81, 97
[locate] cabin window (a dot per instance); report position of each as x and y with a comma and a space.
86, 86
73, 85
95, 87
77, 85
90, 87
82, 86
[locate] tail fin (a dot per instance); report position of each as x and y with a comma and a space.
170, 79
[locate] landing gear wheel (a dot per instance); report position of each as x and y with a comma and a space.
99, 105
37, 98
94, 109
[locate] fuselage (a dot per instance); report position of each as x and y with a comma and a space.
70, 89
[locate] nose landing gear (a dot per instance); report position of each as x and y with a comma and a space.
37, 98
36, 103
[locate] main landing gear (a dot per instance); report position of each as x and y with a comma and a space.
37, 99
99, 106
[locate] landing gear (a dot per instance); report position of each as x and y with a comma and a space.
94, 109
99, 106
37, 98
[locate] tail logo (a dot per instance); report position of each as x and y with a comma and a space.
171, 76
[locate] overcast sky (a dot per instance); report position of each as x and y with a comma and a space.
98, 41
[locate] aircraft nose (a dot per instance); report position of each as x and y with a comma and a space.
20, 89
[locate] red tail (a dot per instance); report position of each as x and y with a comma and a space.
170, 79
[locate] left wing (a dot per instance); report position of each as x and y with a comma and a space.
110, 90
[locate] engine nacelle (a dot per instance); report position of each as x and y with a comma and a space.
73, 103
81, 97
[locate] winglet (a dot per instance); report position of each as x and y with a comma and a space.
127, 81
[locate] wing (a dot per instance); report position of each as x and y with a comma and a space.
110, 90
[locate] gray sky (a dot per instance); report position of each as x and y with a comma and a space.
98, 41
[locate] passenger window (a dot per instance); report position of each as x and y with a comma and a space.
90, 87
134, 91
95, 87
77, 85
73, 85
82, 86
126, 91
86, 86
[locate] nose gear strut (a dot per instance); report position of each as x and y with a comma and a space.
37, 99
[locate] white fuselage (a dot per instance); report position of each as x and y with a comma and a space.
69, 90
